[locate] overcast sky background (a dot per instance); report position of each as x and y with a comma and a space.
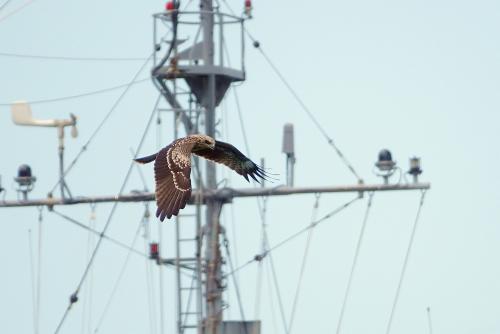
418, 77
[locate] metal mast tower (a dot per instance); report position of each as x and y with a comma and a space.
208, 81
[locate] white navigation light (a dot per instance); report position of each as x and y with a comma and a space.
415, 169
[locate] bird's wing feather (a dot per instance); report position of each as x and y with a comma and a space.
230, 156
173, 183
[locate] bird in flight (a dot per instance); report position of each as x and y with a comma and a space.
173, 168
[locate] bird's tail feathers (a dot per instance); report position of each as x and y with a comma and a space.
147, 159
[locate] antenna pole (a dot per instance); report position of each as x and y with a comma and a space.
62, 182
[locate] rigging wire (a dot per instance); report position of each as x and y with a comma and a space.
77, 96
100, 234
261, 256
33, 288
405, 263
69, 58
429, 320
229, 178
74, 296
160, 279
240, 118
260, 268
39, 267
149, 279
271, 299
139, 171
17, 10
122, 272
87, 302
329, 140
354, 261
276, 285
103, 121
235, 283
306, 109
303, 265
4, 4
262, 208
296, 96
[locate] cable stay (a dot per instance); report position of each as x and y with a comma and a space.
33, 287
5, 3
354, 262
160, 280
144, 217
104, 236
262, 208
271, 298
261, 256
39, 267
296, 96
74, 296
101, 124
303, 265
235, 282
88, 288
16, 10
306, 109
149, 279
260, 268
69, 58
276, 285
429, 319
405, 263
80, 95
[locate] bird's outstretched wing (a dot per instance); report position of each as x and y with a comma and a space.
230, 156
173, 183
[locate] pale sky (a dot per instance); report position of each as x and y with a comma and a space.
417, 77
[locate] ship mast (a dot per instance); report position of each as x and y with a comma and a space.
208, 80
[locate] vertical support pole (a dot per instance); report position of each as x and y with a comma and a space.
60, 135
213, 293
62, 183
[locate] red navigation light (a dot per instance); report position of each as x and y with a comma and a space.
169, 6
153, 250
248, 8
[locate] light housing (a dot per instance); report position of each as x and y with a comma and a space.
248, 8
169, 6
25, 180
154, 251
415, 169
385, 162
25, 176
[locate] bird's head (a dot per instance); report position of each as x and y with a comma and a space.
204, 141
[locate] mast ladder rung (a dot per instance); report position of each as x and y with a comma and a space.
187, 239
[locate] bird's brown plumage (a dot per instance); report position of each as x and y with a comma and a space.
173, 168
